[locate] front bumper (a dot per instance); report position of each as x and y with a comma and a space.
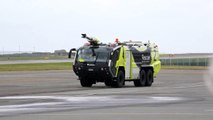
95, 73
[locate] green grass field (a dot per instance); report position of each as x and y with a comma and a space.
16, 57
36, 67
68, 66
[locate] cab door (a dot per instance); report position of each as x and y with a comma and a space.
113, 60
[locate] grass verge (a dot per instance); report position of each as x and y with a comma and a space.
14, 58
68, 66
36, 67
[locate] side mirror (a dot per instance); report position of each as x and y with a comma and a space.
71, 52
110, 55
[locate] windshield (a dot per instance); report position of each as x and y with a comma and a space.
100, 54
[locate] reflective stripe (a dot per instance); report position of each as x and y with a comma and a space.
128, 63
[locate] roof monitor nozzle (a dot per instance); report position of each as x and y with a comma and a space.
84, 35
91, 40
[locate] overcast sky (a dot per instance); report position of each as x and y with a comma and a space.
177, 26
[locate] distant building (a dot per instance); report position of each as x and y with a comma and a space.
60, 52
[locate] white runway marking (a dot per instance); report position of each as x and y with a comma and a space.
53, 103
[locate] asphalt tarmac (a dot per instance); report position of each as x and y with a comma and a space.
57, 95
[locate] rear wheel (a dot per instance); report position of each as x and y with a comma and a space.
142, 81
85, 83
149, 78
120, 80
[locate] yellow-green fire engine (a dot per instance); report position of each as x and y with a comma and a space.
114, 64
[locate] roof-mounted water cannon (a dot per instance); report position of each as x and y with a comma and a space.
91, 40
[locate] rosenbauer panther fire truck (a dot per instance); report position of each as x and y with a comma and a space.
114, 64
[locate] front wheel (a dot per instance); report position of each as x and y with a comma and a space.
85, 83
149, 78
120, 80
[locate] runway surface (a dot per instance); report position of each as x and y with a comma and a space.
57, 95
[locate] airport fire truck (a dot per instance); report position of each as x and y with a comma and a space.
114, 64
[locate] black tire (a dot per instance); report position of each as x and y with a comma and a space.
120, 80
108, 82
142, 81
149, 78
85, 83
